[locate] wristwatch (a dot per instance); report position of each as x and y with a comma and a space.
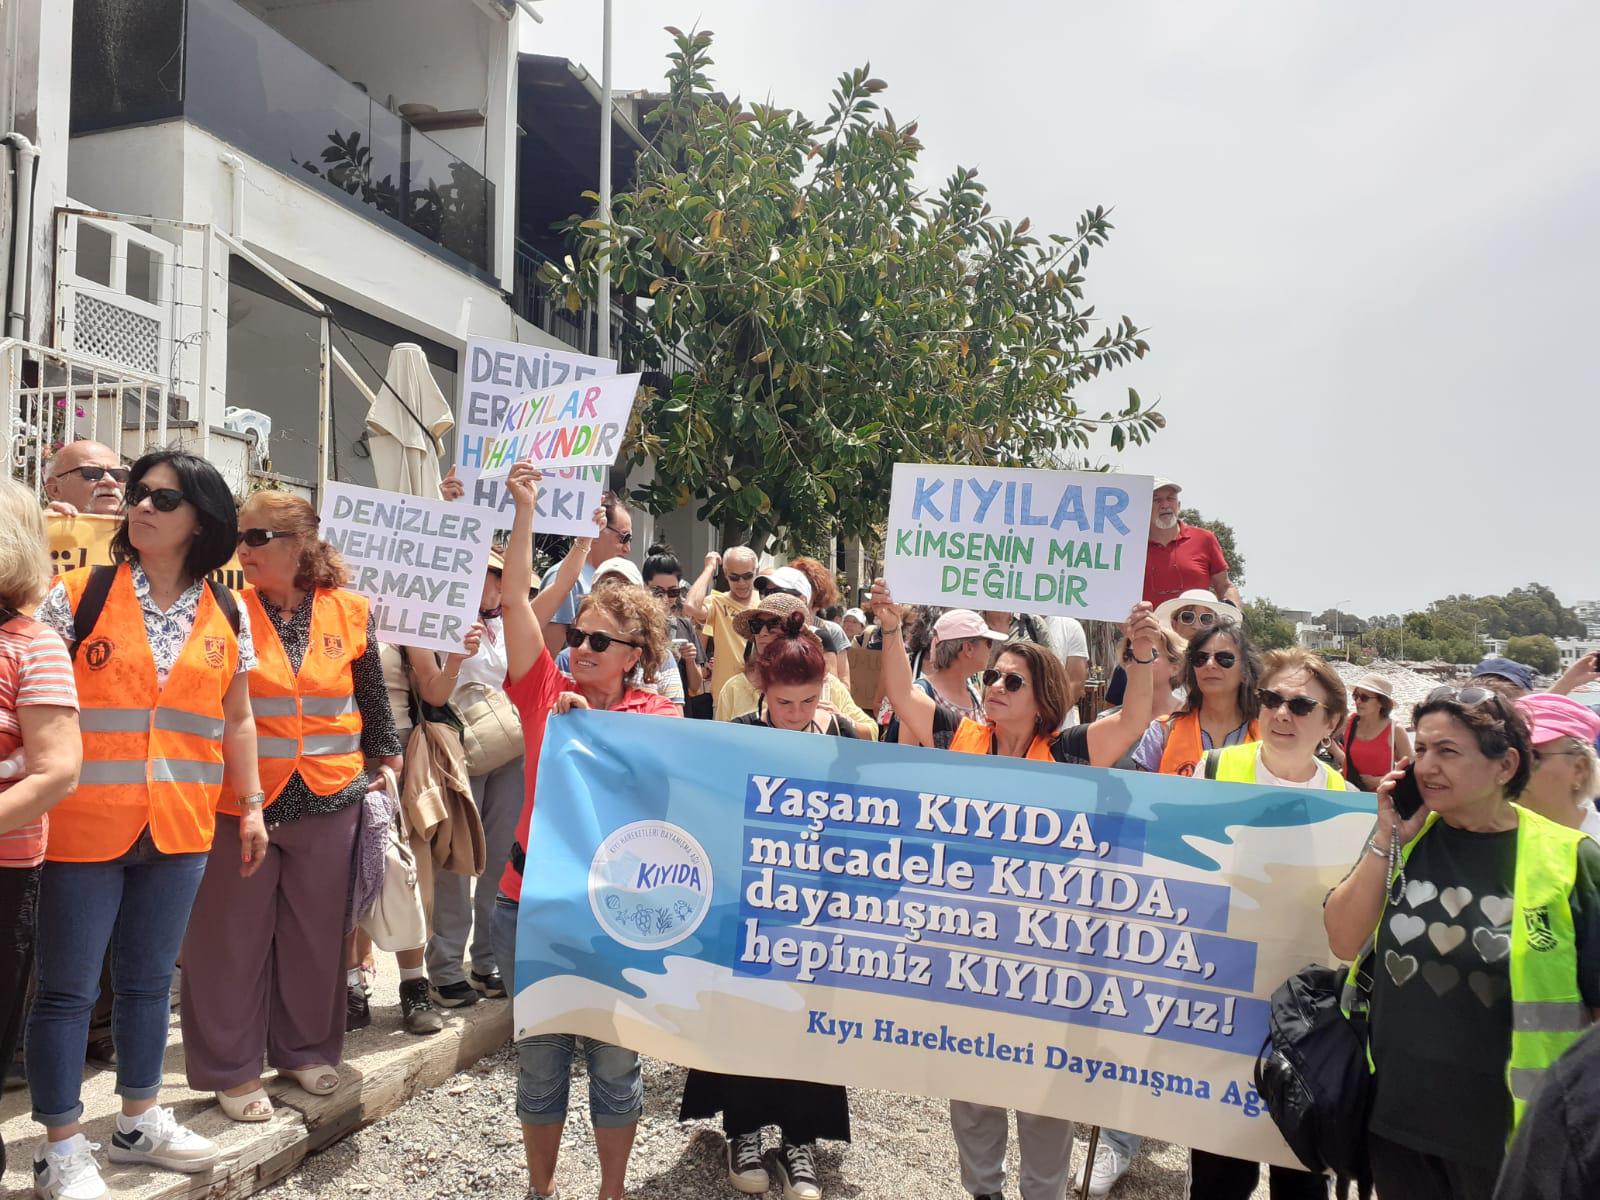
254, 802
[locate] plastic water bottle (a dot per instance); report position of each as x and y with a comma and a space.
14, 767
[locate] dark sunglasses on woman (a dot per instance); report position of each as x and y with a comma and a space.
598, 642
164, 499
93, 474
1223, 658
760, 625
671, 593
1013, 681
257, 538
1300, 706
1195, 616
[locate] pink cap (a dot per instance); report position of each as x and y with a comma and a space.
961, 623
1550, 716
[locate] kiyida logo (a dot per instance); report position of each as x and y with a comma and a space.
650, 885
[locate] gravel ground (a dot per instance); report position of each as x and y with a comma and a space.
462, 1139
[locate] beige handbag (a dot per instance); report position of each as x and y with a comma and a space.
396, 921
491, 730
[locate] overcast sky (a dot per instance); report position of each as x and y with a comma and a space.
1365, 240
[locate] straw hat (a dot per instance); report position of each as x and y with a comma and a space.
1378, 685
779, 604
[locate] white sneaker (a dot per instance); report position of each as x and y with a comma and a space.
67, 1170
1110, 1165
745, 1171
157, 1138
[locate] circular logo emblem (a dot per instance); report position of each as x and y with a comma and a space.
97, 653
650, 885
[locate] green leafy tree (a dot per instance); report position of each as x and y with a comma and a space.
1537, 650
1225, 539
1341, 622
841, 318
1267, 626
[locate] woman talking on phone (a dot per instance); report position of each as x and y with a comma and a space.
1477, 922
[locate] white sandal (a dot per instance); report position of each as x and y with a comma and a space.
252, 1106
319, 1081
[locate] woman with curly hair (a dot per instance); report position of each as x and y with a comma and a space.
618, 639
266, 953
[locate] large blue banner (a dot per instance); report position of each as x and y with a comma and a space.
1098, 945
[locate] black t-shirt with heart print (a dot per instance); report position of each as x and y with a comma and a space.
1441, 1002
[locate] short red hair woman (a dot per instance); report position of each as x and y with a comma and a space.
793, 669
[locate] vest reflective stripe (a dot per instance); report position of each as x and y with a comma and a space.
1530, 1016
179, 721
330, 745
1237, 764
307, 720
152, 751
273, 706
1547, 1009
328, 706
114, 720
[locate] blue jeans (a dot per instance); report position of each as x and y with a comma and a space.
1128, 1143
138, 905
544, 1063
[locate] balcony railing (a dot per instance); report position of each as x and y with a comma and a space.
214, 64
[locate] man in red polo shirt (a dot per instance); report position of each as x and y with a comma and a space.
1182, 557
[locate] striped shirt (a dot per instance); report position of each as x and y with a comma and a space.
34, 669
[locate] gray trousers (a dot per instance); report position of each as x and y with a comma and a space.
457, 912
1045, 1142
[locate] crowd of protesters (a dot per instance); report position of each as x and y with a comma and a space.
214, 778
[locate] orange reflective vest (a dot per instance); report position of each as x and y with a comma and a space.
152, 753
977, 737
1186, 746
307, 721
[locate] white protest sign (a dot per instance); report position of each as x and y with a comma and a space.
1067, 543
420, 562
571, 425
495, 373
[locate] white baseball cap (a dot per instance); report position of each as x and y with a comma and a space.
1162, 482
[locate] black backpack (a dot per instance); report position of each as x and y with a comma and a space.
1312, 1075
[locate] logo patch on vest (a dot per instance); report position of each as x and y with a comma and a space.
332, 645
1538, 922
97, 652
216, 650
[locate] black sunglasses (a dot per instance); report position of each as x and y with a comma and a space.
164, 499
260, 537
599, 642
741, 576
625, 538
1223, 658
1013, 681
671, 593
93, 474
1300, 706
760, 625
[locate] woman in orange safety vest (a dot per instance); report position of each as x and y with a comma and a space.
265, 956
165, 713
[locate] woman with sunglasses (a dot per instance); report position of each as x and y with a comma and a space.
1219, 708
759, 627
1566, 774
793, 671
1476, 923
618, 639
1371, 743
266, 954
960, 649
165, 711
663, 578
1025, 699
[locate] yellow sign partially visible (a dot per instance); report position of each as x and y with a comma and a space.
85, 541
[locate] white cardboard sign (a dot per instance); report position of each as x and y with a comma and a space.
1066, 543
419, 561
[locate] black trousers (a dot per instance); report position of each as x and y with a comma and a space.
1217, 1177
19, 906
1401, 1173
806, 1112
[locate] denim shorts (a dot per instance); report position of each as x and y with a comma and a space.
544, 1062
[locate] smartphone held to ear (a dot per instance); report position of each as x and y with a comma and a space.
1407, 796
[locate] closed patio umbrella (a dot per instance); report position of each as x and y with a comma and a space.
407, 423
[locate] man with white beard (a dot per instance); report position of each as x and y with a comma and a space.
1182, 557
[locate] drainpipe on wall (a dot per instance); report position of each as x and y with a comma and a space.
235, 166
21, 235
